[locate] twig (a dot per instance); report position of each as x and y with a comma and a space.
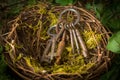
13, 48
14, 26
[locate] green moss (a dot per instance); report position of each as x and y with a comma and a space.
33, 64
91, 38
52, 18
75, 64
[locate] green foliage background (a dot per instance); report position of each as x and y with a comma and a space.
107, 11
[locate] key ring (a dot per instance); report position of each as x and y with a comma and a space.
49, 31
73, 10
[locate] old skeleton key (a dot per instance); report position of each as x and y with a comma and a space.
61, 47
49, 51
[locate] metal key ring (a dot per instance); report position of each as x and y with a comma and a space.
49, 31
73, 10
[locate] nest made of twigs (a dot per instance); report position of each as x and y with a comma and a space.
25, 39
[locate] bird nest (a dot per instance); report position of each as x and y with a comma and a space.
56, 43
